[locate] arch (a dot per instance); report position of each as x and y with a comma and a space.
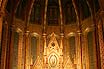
88, 29
71, 34
72, 48
34, 46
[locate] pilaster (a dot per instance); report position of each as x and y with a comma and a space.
61, 50
27, 44
101, 43
20, 47
45, 50
1, 22
4, 45
79, 51
10, 46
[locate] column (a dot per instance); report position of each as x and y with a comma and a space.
44, 37
96, 41
27, 44
1, 22
61, 18
0, 2
62, 36
4, 45
2, 5
101, 43
10, 46
61, 51
79, 51
45, 51
79, 35
20, 61
101, 37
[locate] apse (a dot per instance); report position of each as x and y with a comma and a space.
51, 34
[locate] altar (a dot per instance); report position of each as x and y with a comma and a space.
53, 57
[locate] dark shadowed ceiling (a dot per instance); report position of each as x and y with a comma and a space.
35, 13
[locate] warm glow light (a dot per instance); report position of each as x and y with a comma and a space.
35, 34
71, 34
87, 29
19, 30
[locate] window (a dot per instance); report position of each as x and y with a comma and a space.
72, 48
34, 48
91, 50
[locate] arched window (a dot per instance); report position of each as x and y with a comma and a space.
91, 50
15, 51
34, 41
72, 48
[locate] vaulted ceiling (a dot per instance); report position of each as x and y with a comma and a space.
33, 11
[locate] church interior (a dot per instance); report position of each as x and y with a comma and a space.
51, 34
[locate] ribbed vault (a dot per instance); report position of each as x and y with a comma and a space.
33, 10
